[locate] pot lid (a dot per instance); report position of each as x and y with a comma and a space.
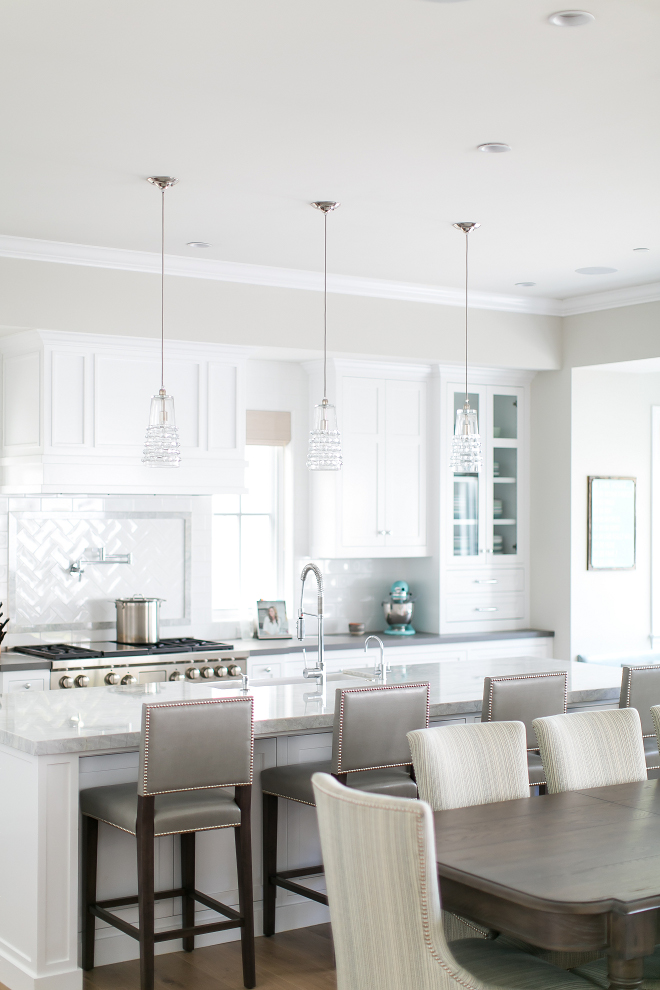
137, 599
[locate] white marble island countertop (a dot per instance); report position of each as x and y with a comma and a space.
109, 718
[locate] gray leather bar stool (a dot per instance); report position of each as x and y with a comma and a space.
370, 752
522, 698
640, 689
191, 753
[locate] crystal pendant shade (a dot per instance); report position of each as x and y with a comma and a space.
466, 444
324, 451
161, 446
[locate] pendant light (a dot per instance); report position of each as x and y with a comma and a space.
161, 445
466, 443
324, 451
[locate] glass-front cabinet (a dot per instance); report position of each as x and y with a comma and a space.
485, 518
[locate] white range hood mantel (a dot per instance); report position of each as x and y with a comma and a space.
75, 409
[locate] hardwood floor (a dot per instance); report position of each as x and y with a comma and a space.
297, 960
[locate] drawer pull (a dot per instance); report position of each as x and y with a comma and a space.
491, 608
486, 581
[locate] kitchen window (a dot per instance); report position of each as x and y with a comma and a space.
247, 557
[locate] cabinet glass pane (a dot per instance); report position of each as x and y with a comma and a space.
505, 500
466, 509
466, 496
505, 417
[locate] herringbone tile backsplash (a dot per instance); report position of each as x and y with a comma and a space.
44, 595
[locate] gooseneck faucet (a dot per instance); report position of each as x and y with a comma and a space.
382, 671
317, 672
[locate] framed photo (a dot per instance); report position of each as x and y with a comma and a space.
272, 622
611, 524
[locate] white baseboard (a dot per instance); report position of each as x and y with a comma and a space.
15, 976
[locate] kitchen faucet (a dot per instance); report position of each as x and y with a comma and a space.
382, 671
317, 672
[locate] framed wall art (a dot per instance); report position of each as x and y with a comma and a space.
611, 524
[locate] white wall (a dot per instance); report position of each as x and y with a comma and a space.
610, 610
550, 507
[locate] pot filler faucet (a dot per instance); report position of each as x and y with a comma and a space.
317, 672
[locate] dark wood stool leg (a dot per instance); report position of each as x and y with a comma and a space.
90, 834
145, 858
188, 884
543, 788
269, 869
243, 836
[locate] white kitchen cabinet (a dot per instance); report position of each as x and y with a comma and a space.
484, 516
376, 505
76, 408
24, 680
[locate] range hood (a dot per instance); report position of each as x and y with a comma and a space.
75, 408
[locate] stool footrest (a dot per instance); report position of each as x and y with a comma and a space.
302, 871
235, 919
299, 888
217, 926
125, 901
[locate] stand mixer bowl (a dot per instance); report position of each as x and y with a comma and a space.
398, 613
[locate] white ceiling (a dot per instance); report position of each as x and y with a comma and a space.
260, 106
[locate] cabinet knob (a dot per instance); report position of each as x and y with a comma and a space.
27, 685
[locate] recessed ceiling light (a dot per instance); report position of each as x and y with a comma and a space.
596, 271
641, 249
571, 18
493, 147
198, 244
526, 284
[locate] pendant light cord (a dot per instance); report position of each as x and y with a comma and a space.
325, 305
467, 398
162, 291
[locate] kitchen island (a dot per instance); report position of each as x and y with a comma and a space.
52, 744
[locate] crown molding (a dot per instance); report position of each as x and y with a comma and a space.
89, 255
633, 295
31, 249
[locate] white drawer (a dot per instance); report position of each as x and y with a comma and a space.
25, 682
485, 608
487, 580
263, 670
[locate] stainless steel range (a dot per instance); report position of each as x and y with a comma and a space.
108, 663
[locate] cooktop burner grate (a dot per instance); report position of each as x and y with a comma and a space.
58, 651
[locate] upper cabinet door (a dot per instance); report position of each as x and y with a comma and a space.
405, 465
362, 476
504, 444
467, 536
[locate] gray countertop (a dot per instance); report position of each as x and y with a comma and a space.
344, 641
109, 718
14, 661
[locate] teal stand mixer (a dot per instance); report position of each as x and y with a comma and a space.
399, 609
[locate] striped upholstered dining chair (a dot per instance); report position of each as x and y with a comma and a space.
458, 766
591, 749
379, 856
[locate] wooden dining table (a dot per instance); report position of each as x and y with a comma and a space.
578, 871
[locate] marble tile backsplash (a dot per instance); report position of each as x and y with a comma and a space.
169, 538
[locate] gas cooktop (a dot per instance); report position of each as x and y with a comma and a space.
74, 651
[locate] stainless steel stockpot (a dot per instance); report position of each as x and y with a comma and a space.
137, 619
